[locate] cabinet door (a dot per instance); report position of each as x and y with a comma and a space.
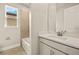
55, 52
44, 49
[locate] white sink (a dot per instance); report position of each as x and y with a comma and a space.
71, 41
66, 39
59, 37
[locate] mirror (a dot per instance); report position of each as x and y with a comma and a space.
71, 18
11, 16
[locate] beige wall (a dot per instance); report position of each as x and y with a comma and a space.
24, 22
59, 20
38, 24
52, 18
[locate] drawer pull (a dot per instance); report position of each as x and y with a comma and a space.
51, 52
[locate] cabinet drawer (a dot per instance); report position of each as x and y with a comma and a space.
61, 47
55, 52
47, 50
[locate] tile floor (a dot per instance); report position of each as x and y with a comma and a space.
14, 51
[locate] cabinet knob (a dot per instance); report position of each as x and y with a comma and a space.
51, 52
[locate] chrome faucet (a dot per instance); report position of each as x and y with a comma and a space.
60, 33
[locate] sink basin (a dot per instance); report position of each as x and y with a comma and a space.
58, 37
65, 38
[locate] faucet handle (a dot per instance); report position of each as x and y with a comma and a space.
65, 31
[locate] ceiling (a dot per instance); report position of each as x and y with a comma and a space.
59, 5
66, 5
25, 4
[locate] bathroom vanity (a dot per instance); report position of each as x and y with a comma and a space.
67, 19
58, 45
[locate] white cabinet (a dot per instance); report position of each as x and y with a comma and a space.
46, 50
56, 52
51, 47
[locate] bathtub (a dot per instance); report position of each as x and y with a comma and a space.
26, 45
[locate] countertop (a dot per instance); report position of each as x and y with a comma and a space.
66, 40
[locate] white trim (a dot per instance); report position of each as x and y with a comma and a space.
30, 31
29, 23
9, 47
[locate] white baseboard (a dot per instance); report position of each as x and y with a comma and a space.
9, 47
